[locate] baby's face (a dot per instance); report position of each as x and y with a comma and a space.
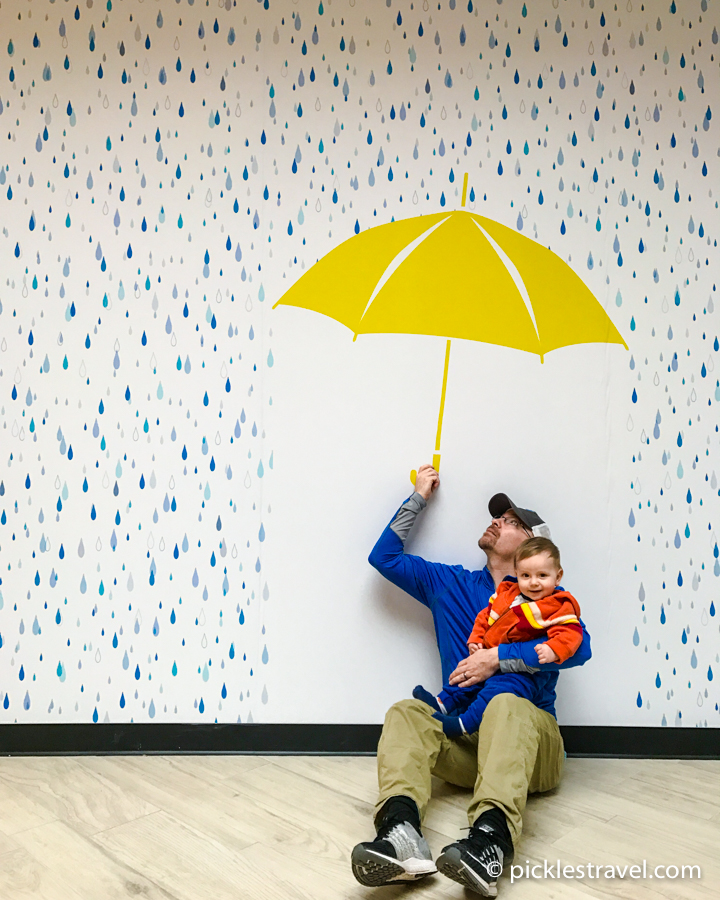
538, 576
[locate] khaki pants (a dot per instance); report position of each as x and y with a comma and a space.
517, 750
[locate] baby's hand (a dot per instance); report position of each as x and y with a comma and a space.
546, 654
473, 647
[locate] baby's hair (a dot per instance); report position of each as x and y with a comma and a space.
535, 545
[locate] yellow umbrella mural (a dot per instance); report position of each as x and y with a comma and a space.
455, 275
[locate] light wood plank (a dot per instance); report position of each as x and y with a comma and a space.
214, 768
73, 793
303, 801
7, 845
220, 811
355, 776
58, 862
23, 878
662, 793
192, 866
187, 828
19, 812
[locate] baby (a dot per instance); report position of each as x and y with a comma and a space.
521, 610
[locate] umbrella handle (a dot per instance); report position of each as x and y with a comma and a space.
436, 455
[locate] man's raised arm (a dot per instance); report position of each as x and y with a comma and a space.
412, 574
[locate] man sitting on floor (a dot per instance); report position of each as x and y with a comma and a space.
518, 748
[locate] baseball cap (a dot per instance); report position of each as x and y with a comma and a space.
500, 504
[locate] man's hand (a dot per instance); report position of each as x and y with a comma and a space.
479, 666
546, 654
426, 481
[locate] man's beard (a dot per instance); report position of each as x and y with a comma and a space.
487, 541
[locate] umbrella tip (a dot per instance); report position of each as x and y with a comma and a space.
464, 192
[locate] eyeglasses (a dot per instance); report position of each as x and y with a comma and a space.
512, 523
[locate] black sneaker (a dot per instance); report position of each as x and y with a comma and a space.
398, 853
476, 862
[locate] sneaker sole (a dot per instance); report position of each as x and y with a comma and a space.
374, 870
451, 865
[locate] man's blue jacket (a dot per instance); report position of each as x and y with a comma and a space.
454, 596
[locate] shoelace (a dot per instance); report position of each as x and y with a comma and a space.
404, 843
489, 851
387, 827
487, 855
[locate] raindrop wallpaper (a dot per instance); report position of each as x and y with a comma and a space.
168, 169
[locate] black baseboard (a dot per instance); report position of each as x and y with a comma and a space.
640, 743
188, 738
72, 740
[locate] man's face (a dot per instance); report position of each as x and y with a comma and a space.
504, 535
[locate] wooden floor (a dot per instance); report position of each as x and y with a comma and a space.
196, 827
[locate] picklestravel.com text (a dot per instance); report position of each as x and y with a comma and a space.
557, 870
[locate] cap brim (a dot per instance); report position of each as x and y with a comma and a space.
499, 504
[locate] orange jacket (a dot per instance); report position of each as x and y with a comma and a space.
555, 616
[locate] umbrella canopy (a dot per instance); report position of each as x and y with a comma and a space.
457, 275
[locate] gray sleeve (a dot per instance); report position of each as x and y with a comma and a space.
406, 515
517, 665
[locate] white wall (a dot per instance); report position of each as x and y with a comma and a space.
339, 424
